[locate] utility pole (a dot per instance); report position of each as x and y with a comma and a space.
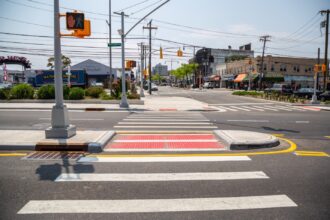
123, 102
264, 39
150, 28
141, 70
318, 62
326, 63
61, 127
110, 48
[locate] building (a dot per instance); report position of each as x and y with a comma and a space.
297, 72
161, 70
208, 59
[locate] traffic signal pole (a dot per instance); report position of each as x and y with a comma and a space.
110, 48
61, 127
123, 102
326, 62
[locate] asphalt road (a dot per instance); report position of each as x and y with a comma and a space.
304, 180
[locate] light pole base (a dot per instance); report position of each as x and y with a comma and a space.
123, 102
142, 93
314, 100
62, 133
61, 127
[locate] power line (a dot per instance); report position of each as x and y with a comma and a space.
302, 27
146, 7
132, 6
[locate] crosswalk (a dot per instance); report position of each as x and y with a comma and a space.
163, 121
158, 202
255, 107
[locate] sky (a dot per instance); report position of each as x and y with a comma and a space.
294, 27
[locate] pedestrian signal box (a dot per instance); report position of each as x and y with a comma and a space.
75, 21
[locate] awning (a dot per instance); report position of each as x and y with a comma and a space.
240, 78
252, 76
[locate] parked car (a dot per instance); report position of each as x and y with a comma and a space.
154, 87
306, 93
208, 85
325, 96
98, 84
280, 88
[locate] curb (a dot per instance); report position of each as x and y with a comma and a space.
13, 147
246, 141
99, 144
82, 109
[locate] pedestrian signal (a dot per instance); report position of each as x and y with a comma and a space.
75, 21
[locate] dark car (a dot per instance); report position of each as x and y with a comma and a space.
279, 88
325, 96
306, 93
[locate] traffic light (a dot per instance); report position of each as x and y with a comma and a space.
324, 68
130, 64
317, 68
179, 53
85, 32
75, 21
211, 59
161, 53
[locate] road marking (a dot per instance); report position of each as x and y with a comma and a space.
253, 121
227, 109
183, 120
165, 123
327, 137
156, 205
142, 177
267, 108
278, 135
12, 154
311, 154
78, 119
253, 108
302, 122
248, 103
243, 109
150, 126
163, 141
283, 108
152, 159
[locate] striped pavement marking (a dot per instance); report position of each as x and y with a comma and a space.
169, 159
181, 120
252, 121
163, 141
159, 126
311, 154
227, 109
165, 123
239, 108
148, 177
255, 109
156, 205
267, 108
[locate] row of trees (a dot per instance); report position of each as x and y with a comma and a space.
184, 72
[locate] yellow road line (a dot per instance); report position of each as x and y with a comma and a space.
12, 155
292, 148
311, 154
278, 135
327, 137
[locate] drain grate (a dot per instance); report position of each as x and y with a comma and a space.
42, 155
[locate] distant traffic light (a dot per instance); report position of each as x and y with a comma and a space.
179, 53
211, 59
75, 21
130, 64
161, 53
317, 68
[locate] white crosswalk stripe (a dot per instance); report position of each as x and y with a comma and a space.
158, 204
166, 121
247, 107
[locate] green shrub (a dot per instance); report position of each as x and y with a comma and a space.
76, 93
133, 96
5, 93
66, 92
247, 93
105, 96
22, 91
94, 92
46, 92
327, 102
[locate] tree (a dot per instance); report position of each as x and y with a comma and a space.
157, 77
66, 61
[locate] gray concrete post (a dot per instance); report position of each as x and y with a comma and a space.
61, 127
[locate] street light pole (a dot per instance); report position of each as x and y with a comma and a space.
123, 102
110, 48
61, 127
141, 71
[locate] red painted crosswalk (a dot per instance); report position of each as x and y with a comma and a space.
165, 142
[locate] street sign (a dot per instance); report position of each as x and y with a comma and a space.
114, 45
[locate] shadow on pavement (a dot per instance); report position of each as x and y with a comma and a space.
51, 171
280, 130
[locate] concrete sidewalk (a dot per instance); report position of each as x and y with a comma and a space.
151, 103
